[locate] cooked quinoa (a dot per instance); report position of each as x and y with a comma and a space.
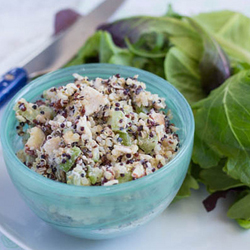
97, 132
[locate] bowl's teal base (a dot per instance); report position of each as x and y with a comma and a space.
100, 234
109, 233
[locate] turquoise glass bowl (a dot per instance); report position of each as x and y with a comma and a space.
99, 212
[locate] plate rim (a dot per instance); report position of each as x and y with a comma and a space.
11, 237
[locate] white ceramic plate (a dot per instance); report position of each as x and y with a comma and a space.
184, 225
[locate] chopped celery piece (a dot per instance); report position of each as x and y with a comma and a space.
115, 118
142, 109
49, 112
93, 179
25, 111
126, 139
94, 174
127, 177
96, 155
147, 144
25, 137
77, 176
23, 157
74, 153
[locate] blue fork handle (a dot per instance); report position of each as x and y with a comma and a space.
11, 82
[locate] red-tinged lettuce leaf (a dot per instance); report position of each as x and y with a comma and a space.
64, 19
231, 30
211, 201
196, 70
214, 64
133, 28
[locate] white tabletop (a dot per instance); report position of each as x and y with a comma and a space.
27, 24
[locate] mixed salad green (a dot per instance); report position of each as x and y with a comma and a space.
207, 57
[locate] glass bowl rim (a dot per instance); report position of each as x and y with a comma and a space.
73, 190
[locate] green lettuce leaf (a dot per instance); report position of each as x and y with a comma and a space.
203, 154
244, 223
98, 48
183, 73
107, 48
191, 46
89, 51
222, 126
172, 13
217, 180
188, 183
151, 45
101, 48
144, 27
240, 210
123, 58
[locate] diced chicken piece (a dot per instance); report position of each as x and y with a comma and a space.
20, 118
109, 174
56, 122
159, 118
61, 96
36, 139
120, 149
120, 169
51, 145
138, 171
93, 100
98, 83
60, 118
160, 104
84, 128
70, 137
145, 157
83, 125
70, 89
160, 131
123, 149
78, 77
110, 183
41, 118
